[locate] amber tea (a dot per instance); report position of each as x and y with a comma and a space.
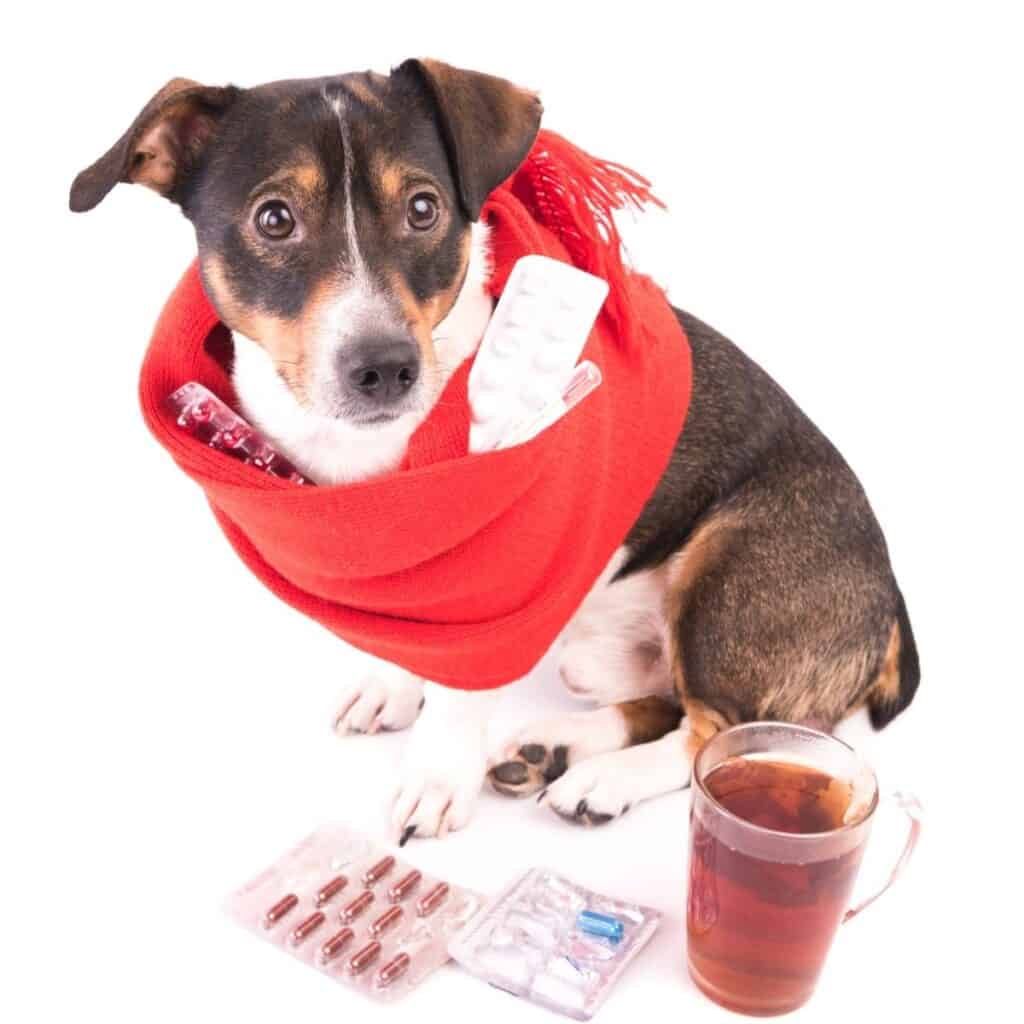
759, 928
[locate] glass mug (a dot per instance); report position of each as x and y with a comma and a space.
770, 878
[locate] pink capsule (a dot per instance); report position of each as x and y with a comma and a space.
302, 931
430, 901
387, 920
335, 944
352, 910
404, 886
283, 906
379, 870
327, 892
393, 970
358, 962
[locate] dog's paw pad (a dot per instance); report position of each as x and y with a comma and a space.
529, 769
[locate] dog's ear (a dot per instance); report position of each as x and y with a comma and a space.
488, 125
161, 147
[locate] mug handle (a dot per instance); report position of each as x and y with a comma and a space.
911, 807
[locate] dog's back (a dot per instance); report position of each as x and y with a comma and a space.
784, 601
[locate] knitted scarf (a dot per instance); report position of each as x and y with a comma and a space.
461, 568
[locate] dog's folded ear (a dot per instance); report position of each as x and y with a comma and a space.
163, 144
488, 125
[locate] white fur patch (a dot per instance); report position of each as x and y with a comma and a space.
614, 649
379, 696
584, 733
445, 762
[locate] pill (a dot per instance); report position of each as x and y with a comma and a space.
591, 950
279, 909
352, 910
330, 890
378, 871
393, 970
387, 920
590, 922
404, 886
358, 962
430, 901
559, 992
302, 931
335, 944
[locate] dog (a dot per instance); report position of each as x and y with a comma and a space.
339, 236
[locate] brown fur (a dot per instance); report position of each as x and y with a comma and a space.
648, 718
782, 602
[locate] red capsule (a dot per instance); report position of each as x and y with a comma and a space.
302, 931
330, 890
393, 970
430, 901
404, 886
378, 871
387, 920
358, 962
279, 909
335, 944
352, 910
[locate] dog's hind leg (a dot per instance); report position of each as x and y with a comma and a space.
546, 749
602, 788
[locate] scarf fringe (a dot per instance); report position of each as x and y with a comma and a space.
576, 196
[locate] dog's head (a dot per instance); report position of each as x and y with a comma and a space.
332, 215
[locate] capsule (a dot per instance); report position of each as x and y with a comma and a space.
430, 901
335, 944
358, 962
327, 892
352, 910
283, 906
404, 886
379, 870
604, 926
393, 970
302, 931
387, 920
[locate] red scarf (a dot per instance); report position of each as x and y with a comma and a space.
462, 568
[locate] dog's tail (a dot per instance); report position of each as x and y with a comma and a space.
891, 696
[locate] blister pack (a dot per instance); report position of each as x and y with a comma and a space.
355, 912
553, 942
203, 415
521, 377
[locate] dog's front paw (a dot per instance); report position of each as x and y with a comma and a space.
381, 698
438, 798
444, 766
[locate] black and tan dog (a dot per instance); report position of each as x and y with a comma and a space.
338, 233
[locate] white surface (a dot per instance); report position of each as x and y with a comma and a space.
845, 193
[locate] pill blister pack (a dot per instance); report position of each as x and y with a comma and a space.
355, 912
202, 414
522, 378
555, 943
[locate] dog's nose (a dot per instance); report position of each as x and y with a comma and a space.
381, 370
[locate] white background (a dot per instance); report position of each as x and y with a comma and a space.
844, 184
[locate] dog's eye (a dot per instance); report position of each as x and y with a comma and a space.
423, 211
274, 220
